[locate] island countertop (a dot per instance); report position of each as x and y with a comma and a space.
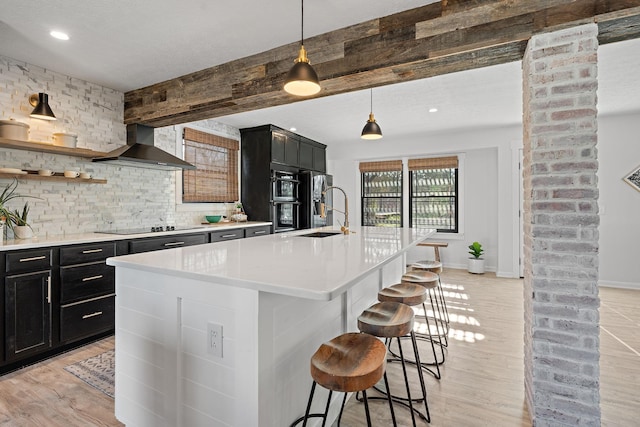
285, 263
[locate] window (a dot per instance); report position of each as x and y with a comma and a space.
215, 178
381, 193
433, 196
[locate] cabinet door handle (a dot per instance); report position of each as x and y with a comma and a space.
35, 258
86, 279
259, 232
226, 236
87, 316
92, 251
174, 244
49, 290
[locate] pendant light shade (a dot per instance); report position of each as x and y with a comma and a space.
371, 129
42, 110
302, 79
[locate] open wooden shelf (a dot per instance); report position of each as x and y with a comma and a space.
58, 176
49, 148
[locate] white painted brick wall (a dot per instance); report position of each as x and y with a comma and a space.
132, 197
561, 228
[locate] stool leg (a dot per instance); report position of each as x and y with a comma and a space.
420, 376
344, 400
386, 385
406, 381
444, 303
306, 413
326, 409
430, 338
366, 408
438, 319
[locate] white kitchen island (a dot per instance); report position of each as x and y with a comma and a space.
277, 297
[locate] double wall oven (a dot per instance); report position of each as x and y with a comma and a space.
285, 201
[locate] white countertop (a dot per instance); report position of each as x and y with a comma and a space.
72, 239
285, 263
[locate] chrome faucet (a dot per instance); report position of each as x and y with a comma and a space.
345, 227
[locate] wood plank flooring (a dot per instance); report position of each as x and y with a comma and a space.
481, 385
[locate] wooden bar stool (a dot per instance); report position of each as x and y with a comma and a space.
434, 267
395, 320
430, 281
349, 362
412, 295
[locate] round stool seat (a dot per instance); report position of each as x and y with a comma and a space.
387, 319
432, 266
424, 278
406, 293
349, 362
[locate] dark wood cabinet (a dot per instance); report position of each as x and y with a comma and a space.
87, 318
27, 314
257, 231
284, 147
266, 151
87, 284
220, 236
158, 243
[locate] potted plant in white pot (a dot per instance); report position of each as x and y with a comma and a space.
14, 218
475, 263
18, 222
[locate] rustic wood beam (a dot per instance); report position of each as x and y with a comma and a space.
439, 38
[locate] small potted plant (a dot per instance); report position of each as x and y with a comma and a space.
14, 218
475, 263
18, 222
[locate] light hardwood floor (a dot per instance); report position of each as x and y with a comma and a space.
481, 385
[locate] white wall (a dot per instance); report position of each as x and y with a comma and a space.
487, 176
619, 154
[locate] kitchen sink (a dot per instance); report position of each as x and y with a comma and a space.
321, 234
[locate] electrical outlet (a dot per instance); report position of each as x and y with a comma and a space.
214, 339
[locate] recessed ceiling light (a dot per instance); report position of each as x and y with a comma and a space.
59, 35
433, 110
293, 129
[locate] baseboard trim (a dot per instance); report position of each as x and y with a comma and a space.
620, 285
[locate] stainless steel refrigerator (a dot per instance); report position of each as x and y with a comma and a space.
312, 184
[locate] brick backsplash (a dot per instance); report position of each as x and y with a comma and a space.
132, 196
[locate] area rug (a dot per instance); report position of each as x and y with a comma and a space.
97, 371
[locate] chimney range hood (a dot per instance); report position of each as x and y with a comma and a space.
141, 152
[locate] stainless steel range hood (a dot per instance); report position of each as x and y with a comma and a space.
141, 152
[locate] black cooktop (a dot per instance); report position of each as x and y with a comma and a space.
125, 231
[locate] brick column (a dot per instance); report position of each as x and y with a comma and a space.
561, 228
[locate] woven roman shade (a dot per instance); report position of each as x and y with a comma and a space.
216, 160
433, 163
386, 166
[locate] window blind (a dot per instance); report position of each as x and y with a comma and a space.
385, 166
215, 178
433, 163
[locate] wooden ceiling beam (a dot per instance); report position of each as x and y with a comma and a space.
439, 38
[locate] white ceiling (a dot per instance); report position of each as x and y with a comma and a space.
124, 45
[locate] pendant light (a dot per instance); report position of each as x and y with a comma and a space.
302, 80
371, 129
42, 110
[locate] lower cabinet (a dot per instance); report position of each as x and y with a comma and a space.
27, 314
157, 243
56, 297
83, 319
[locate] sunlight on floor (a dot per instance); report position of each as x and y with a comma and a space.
454, 295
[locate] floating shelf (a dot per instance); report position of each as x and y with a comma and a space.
49, 148
58, 176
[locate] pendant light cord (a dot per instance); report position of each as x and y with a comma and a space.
302, 23
371, 100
